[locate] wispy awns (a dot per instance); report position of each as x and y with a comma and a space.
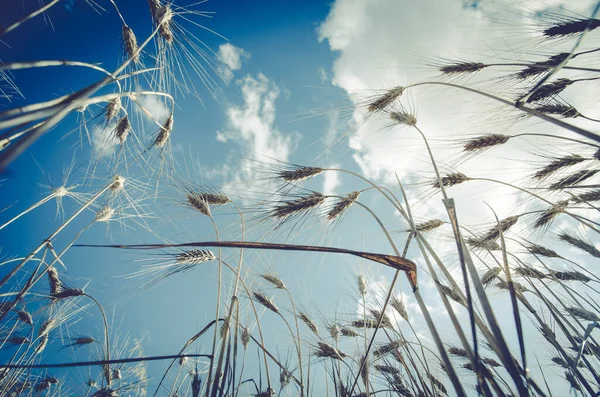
231, 58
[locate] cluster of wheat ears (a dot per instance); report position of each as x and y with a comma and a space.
550, 310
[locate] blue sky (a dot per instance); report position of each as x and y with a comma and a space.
297, 76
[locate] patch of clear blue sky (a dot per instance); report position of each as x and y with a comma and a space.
282, 40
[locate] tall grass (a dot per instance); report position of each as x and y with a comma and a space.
487, 307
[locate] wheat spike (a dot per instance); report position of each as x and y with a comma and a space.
571, 275
526, 271
582, 314
300, 174
325, 350
122, 129
112, 109
386, 348
302, 204
542, 66
559, 109
462, 67
427, 226
579, 243
194, 257
551, 213
571, 27
587, 197
549, 90
130, 44
381, 103
485, 142
309, 322
342, 205
264, 300
490, 275
274, 279
398, 305
542, 251
404, 118
558, 164
162, 136
451, 180
349, 332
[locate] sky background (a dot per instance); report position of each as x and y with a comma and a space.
292, 80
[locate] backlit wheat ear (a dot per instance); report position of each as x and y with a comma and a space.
245, 337
361, 284
387, 348
302, 204
551, 213
571, 275
117, 184
404, 118
438, 384
122, 129
274, 279
386, 369
198, 203
309, 322
427, 226
104, 214
519, 288
264, 300
334, 331
503, 226
567, 28
385, 100
348, 332
490, 275
526, 271
558, 109
112, 109
130, 44
325, 350
557, 164
462, 67
451, 180
163, 17
194, 257
342, 205
398, 305
549, 90
300, 174
573, 179
54, 281
537, 68
485, 142
542, 251
579, 243
25, 317
163, 135
482, 244
106, 392
457, 352
452, 294
582, 313
587, 197
385, 319
69, 293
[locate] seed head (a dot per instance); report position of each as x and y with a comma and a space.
485, 142
451, 180
245, 337
104, 214
112, 109
381, 103
274, 279
162, 136
300, 174
571, 27
117, 183
349, 332
69, 293
309, 322
130, 43
25, 317
579, 243
542, 251
325, 350
403, 117
490, 275
194, 257
462, 67
398, 305
572, 275
122, 129
428, 225
558, 109
342, 205
582, 313
106, 392
558, 164
302, 204
549, 90
264, 300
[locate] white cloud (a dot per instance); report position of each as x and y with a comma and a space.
252, 125
231, 60
331, 181
322, 73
